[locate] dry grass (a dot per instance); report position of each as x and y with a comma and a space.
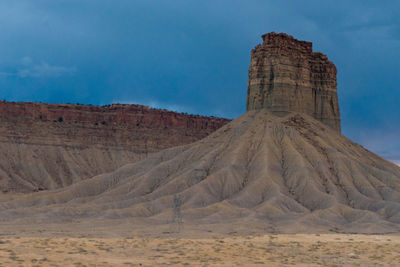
270, 250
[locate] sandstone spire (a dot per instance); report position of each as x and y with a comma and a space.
286, 75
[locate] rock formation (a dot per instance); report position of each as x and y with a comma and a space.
282, 174
286, 75
116, 115
47, 146
278, 169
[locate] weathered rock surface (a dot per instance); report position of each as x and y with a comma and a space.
283, 174
285, 75
47, 146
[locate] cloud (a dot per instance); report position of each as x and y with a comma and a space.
28, 68
45, 70
158, 105
174, 107
26, 61
2, 73
397, 162
384, 142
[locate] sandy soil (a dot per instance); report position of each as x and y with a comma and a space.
267, 250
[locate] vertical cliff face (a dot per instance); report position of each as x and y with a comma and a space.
285, 75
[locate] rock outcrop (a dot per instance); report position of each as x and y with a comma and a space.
47, 146
285, 75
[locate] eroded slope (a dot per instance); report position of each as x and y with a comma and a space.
47, 146
289, 174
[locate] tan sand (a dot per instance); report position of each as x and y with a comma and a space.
266, 250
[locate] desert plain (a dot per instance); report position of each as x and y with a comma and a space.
228, 250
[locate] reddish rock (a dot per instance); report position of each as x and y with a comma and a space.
285, 75
46, 146
116, 114
128, 126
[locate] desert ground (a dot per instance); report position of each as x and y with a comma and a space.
233, 250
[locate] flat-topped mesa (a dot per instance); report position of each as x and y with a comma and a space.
129, 127
47, 146
285, 75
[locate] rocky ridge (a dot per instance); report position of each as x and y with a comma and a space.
46, 146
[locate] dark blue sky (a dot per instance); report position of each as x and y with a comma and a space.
193, 56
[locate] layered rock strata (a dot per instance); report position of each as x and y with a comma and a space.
47, 146
285, 75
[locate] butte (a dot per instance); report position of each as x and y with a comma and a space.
283, 166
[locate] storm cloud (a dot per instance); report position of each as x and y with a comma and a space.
193, 56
